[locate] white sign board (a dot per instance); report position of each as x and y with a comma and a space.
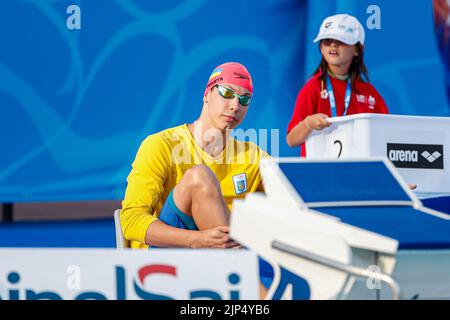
29, 274
417, 146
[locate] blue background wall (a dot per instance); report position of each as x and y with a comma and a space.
75, 104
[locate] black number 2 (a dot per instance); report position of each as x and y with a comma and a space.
340, 147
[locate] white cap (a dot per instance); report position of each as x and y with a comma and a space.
342, 27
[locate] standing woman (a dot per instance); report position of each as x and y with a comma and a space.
340, 85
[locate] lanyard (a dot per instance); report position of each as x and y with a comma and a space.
348, 93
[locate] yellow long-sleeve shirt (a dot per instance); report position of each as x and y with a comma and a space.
160, 163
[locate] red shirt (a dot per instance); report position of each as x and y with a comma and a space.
364, 99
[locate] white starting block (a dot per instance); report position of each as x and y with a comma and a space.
417, 146
330, 222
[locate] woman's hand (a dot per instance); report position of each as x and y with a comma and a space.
217, 237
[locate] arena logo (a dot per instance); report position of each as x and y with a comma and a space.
418, 156
14, 293
404, 155
431, 157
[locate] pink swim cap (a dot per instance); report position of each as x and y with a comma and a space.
231, 73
